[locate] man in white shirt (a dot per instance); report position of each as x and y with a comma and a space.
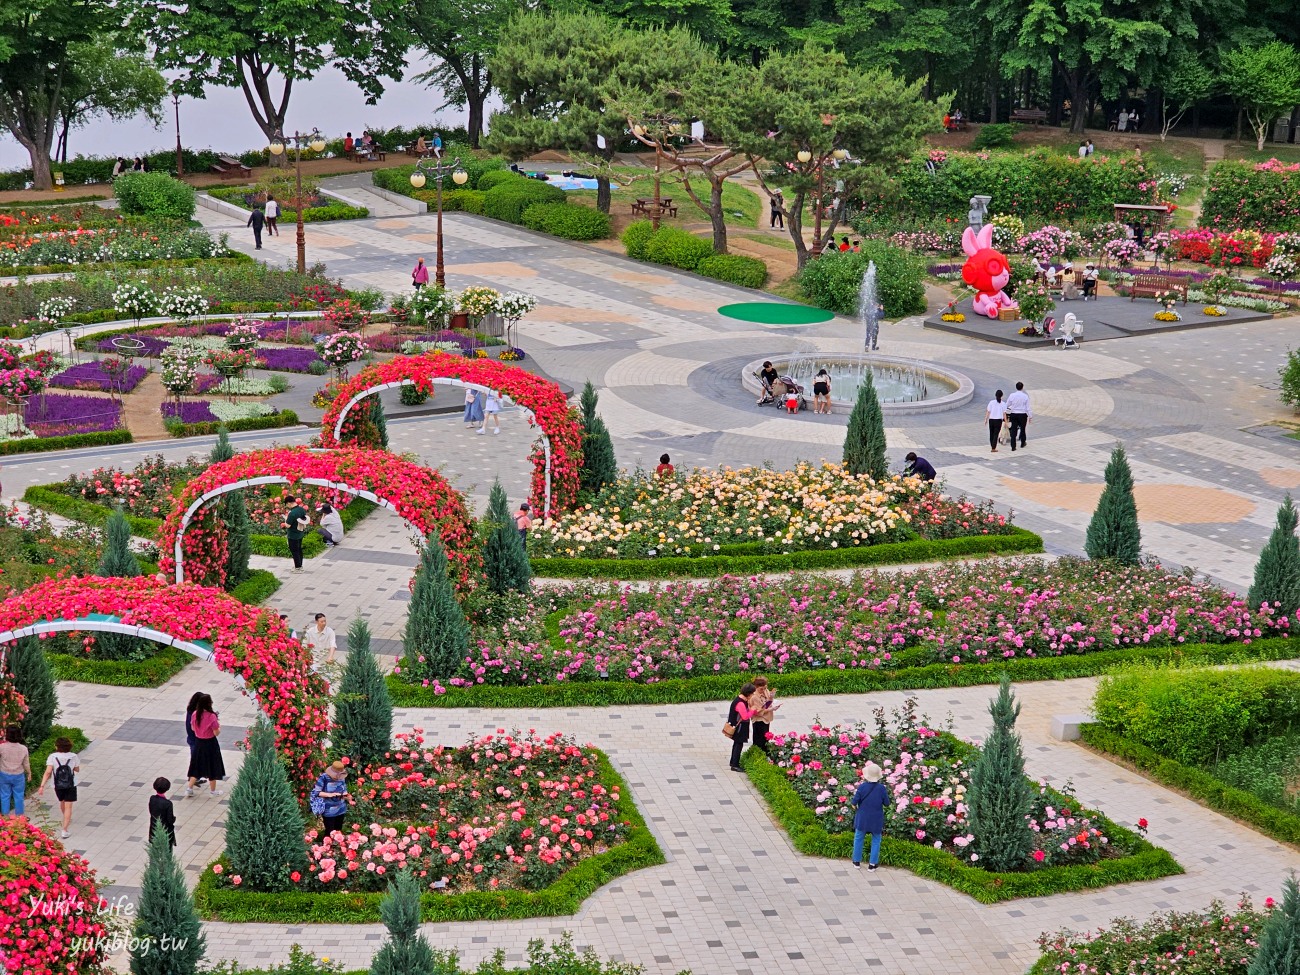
321, 637
1018, 413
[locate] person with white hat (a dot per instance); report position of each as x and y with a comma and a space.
869, 800
1090, 276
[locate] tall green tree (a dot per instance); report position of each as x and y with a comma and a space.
1279, 939
166, 937
864, 442
998, 798
1114, 533
265, 48
363, 710
1185, 80
380, 421
118, 559
264, 827
505, 560
853, 126
1277, 573
436, 639
587, 403
38, 41
234, 514
599, 465
709, 20
406, 952
34, 679
105, 77
1265, 80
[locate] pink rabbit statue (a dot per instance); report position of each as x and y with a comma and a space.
986, 270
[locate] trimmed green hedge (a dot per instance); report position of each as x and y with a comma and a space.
42, 751
748, 272
154, 672
260, 586
800, 683
677, 248
563, 897
1019, 541
72, 441
567, 221
637, 237
285, 418
809, 836
496, 177
1196, 783
456, 201
833, 280
508, 201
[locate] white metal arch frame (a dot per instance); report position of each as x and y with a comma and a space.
216, 492
107, 625
461, 384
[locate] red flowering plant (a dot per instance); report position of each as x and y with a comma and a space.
247, 641
419, 494
549, 406
51, 921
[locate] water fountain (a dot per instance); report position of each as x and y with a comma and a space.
869, 310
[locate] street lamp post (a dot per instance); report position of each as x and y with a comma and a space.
438, 171
317, 142
180, 157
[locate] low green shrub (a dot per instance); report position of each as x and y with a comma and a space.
331, 211
677, 248
496, 177
42, 751
572, 222
508, 201
832, 280
456, 201
637, 237
260, 586
154, 195
995, 135
285, 418
102, 438
152, 672
748, 272
1197, 715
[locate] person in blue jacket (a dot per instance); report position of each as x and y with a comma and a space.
870, 799
329, 797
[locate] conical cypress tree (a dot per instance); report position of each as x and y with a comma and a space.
1277, 573
998, 798
864, 444
587, 403
264, 828
1113, 532
118, 559
34, 680
436, 639
406, 952
380, 422
1279, 940
222, 449
505, 561
234, 515
166, 910
599, 466
363, 711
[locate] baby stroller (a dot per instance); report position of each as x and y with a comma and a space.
788, 394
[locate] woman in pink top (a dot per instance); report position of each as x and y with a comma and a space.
205, 756
419, 276
739, 716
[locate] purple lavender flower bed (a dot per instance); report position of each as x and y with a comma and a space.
207, 382
61, 414
153, 345
93, 375
288, 360
191, 411
388, 342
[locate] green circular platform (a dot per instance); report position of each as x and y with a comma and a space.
776, 313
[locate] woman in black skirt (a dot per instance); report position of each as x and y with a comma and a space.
738, 717
205, 755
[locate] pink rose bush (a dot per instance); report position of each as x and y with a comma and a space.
952, 614
247, 641
419, 494
547, 401
49, 906
927, 773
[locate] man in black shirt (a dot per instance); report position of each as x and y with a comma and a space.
256, 220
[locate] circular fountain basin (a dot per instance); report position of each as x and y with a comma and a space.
904, 386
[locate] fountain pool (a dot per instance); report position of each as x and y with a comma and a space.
903, 385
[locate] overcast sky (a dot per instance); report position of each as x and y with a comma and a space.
224, 122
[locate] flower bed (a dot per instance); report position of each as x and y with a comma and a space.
503, 826
83, 246
64, 414
289, 360
94, 375
810, 781
213, 411
36, 870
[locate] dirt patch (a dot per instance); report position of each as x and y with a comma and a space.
142, 409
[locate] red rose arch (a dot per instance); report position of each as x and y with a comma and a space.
192, 541
556, 456
246, 641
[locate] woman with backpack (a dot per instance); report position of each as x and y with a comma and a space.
329, 797
869, 799
62, 766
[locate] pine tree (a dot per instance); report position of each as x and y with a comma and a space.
363, 711
587, 403
505, 560
1277, 573
166, 910
380, 422
222, 449
599, 465
1279, 939
234, 515
864, 444
998, 798
406, 952
118, 559
435, 626
34, 680
264, 828
1113, 532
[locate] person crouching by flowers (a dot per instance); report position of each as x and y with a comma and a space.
329, 797
869, 800
764, 710
738, 718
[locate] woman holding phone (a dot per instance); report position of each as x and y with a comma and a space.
764, 708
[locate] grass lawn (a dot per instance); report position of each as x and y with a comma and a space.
1272, 150
743, 207
784, 242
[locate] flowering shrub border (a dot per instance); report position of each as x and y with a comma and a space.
248, 642
416, 493
544, 399
808, 836
564, 897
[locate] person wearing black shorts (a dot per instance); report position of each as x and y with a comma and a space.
62, 766
822, 392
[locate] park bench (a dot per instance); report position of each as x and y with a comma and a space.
225, 165
1149, 285
1034, 116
